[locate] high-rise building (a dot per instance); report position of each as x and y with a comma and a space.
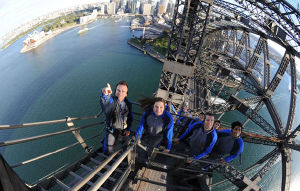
123, 3
161, 10
133, 6
102, 9
111, 10
147, 9
117, 3
165, 4
138, 4
171, 8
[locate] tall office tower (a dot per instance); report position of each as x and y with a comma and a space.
111, 10
165, 4
117, 3
123, 4
161, 10
102, 9
171, 8
138, 4
147, 9
133, 6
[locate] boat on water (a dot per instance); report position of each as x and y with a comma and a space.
83, 30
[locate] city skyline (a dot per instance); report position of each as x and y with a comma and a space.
14, 13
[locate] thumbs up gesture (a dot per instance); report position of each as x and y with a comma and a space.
107, 90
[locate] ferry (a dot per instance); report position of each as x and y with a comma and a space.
83, 30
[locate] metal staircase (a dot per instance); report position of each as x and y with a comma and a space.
94, 172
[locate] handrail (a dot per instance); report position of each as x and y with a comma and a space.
44, 122
94, 172
6, 143
53, 152
100, 181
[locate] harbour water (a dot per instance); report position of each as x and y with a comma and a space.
64, 76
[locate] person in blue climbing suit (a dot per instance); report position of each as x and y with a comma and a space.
118, 115
183, 115
183, 119
229, 143
156, 126
217, 124
170, 107
197, 120
198, 140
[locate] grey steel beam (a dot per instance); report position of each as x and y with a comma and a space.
275, 116
294, 134
237, 178
177, 32
266, 13
286, 169
253, 100
279, 73
294, 146
266, 65
293, 98
256, 54
273, 158
259, 141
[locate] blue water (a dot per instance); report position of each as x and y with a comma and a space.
64, 76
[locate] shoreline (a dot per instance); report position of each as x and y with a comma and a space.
46, 38
146, 52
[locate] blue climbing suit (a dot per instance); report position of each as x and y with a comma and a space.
156, 126
226, 144
118, 118
201, 143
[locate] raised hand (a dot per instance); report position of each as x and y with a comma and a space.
107, 90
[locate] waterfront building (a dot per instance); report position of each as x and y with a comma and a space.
164, 3
147, 9
89, 18
102, 9
138, 4
117, 3
133, 6
111, 10
123, 4
161, 9
170, 9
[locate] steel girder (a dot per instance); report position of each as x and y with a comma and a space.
265, 93
268, 89
291, 116
285, 15
286, 169
294, 134
230, 43
266, 167
294, 146
188, 29
237, 178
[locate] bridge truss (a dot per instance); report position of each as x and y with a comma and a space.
223, 50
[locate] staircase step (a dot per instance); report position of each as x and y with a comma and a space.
109, 178
95, 161
86, 167
103, 189
79, 177
61, 184
102, 155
